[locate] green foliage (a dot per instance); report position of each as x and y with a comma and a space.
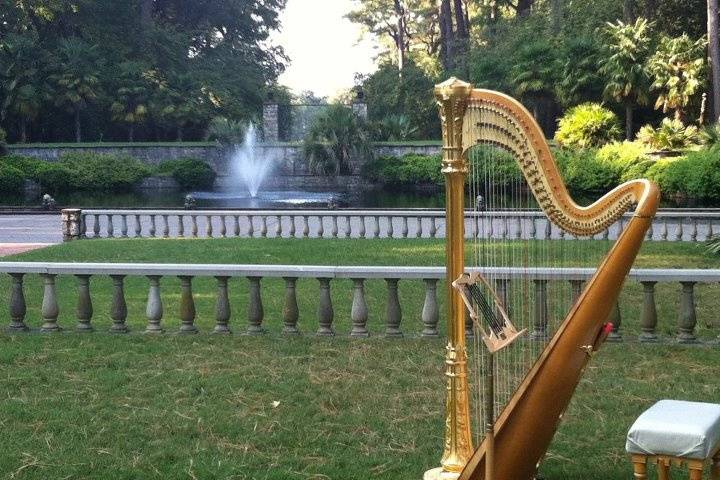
588, 125
11, 179
493, 163
389, 94
695, 175
29, 166
226, 132
394, 128
3, 144
408, 170
583, 171
670, 135
710, 135
713, 245
630, 159
628, 47
579, 80
535, 71
336, 138
678, 70
189, 173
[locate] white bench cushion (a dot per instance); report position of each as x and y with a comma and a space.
676, 428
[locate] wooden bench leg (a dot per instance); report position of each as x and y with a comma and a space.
639, 467
663, 469
696, 473
715, 469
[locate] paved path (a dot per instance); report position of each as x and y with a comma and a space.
20, 233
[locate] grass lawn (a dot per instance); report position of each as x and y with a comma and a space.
102, 406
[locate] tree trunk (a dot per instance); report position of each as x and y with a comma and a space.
400, 40
179, 135
629, 11
447, 35
78, 133
714, 54
524, 7
23, 130
462, 38
650, 9
131, 133
628, 121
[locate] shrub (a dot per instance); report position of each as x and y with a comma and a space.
695, 175
92, 171
588, 125
584, 171
670, 135
406, 170
226, 132
630, 159
493, 164
189, 173
27, 165
12, 180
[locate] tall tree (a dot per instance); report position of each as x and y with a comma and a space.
627, 80
714, 55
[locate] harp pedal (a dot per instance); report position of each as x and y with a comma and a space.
497, 331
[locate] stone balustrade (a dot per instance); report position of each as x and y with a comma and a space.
669, 225
325, 277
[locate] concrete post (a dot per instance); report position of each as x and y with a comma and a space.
393, 310
271, 128
359, 311
430, 311
84, 308
18, 308
71, 224
291, 313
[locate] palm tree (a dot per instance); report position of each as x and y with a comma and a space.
678, 70
76, 82
627, 81
22, 91
534, 75
131, 97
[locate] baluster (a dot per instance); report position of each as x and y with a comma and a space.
606, 234
648, 317
110, 226
123, 226
222, 307
152, 226
616, 319
236, 225
181, 226
474, 227
694, 230
430, 311
84, 310
96, 226
166, 227
278, 227
664, 229
138, 226
518, 233
547, 234
393, 310
83, 225
504, 227
433, 227
348, 227
291, 233
576, 288
334, 231
291, 313
305, 227
18, 308
263, 226
208, 226
709, 229
118, 309
50, 309
649, 235
491, 226
533, 228
687, 318
255, 308
359, 311
321, 229
154, 307
223, 226
362, 232
390, 232
541, 311
562, 234
376, 227
419, 227
193, 225
251, 226
404, 227
187, 306
325, 309
679, 232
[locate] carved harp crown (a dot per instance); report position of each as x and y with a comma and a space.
525, 426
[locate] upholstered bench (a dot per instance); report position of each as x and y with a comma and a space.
673, 432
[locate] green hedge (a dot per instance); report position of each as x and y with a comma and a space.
588, 125
695, 175
409, 169
12, 180
189, 173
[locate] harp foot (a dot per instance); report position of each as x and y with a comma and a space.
440, 474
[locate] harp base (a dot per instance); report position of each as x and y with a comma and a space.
440, 474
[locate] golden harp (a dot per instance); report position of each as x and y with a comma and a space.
526, 421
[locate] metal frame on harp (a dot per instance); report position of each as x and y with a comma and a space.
499, 331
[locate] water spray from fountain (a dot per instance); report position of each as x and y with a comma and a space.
249, 165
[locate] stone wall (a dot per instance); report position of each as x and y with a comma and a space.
291, 170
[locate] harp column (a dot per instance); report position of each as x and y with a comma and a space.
452, 99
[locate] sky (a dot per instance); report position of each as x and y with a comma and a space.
325, 49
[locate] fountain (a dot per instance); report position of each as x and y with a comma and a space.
249, 166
